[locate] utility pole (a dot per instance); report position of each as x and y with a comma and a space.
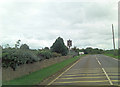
113, 38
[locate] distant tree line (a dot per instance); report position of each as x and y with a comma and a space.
116, 52
88, 50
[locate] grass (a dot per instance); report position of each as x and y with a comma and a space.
112, 55
36, 77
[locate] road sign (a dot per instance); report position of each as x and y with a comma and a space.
69, 43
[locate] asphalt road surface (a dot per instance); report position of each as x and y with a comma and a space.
0, 76
90, 70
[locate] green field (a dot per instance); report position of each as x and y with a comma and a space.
112, 55
36, 77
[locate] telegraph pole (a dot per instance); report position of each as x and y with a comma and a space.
113, 38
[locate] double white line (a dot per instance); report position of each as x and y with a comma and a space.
104, 72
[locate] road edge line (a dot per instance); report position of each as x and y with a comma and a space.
63, 72
112, 58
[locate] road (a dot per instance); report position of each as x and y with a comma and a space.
0, 76
90, 70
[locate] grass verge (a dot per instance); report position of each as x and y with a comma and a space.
38, 76
114, 56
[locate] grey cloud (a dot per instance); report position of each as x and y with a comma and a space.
40, 23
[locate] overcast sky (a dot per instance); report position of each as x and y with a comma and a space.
39, 22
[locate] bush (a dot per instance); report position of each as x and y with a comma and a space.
15, 57
54, 54
45, 54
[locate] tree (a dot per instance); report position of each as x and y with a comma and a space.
24, 46
46, 48
7, 46
76, 49
0, 53
118, 51
17, 44
59, 46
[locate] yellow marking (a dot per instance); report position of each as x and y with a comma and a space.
91, 74
82, 81
83, 71
64, 72
115, 80
83, 74
80, 77
113, 72
84, 68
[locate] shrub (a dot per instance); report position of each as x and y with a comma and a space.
15, 57
54, 54
45, 54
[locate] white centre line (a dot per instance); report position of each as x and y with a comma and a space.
105, 72
99, 62
107, 76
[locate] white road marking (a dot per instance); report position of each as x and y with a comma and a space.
112, 58
105, 72
99, 62
107, 76
115, 59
